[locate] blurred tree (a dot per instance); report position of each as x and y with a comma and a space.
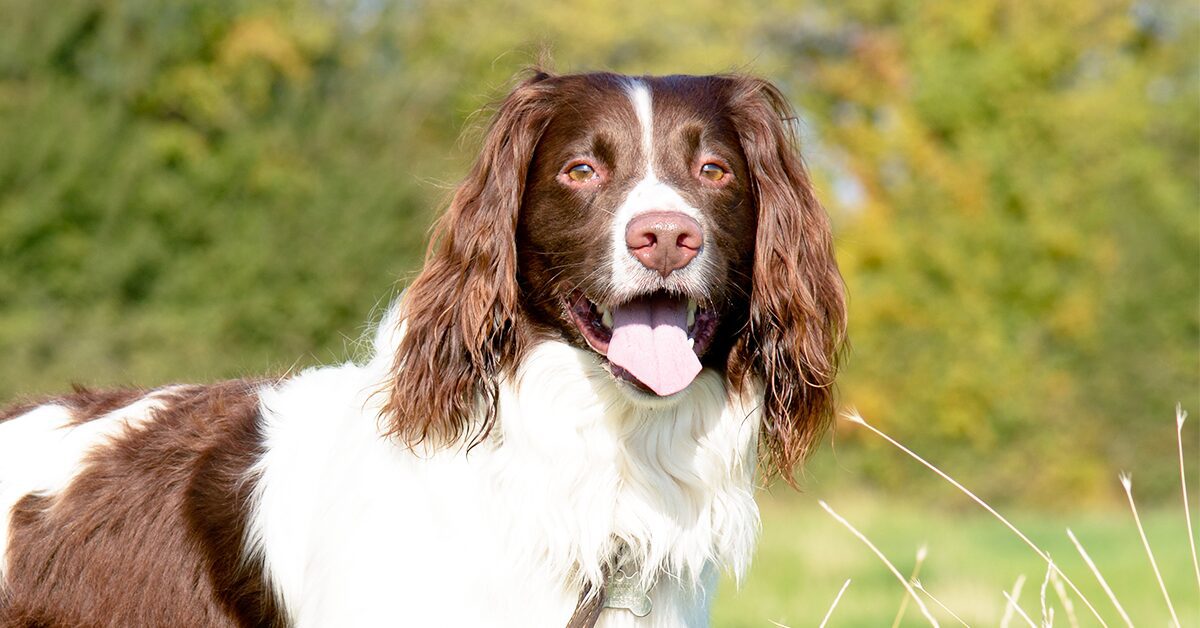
191, 190
1023, 243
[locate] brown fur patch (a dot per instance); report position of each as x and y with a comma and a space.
151, 532
85, 404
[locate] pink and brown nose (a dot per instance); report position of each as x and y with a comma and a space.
664, 241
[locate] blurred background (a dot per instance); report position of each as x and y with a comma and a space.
192, 190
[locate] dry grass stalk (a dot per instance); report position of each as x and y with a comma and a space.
1100, 578
855, 418
1064, 599
862, 537
1042, 596
916, 572
1127, 482
1047, 614
1017, 607
920, 587
1012, 601
836, 599
1180, 417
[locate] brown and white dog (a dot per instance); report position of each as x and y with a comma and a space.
631, 300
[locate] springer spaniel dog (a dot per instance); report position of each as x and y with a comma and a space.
629, 310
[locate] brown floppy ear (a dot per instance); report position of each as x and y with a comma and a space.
459, 315
797, 303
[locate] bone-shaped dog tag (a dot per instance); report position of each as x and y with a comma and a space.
625, 591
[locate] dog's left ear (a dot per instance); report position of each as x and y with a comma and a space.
459, 315
797, 303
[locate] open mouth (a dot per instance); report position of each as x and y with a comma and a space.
653, 341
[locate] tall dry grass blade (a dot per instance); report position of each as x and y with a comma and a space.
836, 599
1047, 617
855, 418
1064, 599
916, 572
1127, 482
920, 587
1013, 604
895, 572
1180, 417
1012, 601
1100, 578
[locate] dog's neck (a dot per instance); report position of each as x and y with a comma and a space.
593, 468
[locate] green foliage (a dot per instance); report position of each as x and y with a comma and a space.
192, 190
1023, 257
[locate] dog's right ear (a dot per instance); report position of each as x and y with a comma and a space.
797, 321
459, 315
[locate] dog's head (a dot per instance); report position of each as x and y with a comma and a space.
666, 224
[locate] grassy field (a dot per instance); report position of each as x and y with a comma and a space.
805, 556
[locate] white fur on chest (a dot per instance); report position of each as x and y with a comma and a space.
358, 531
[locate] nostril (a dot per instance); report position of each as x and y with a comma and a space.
690, 240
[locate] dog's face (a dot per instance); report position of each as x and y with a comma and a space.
664, 223
636, 231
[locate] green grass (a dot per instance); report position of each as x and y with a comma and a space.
804, 556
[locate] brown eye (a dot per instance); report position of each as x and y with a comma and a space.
712, 172
581, 173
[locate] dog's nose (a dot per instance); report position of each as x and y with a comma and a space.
664, 241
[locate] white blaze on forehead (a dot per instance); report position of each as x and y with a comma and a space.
42, 452
649, 194
643, 106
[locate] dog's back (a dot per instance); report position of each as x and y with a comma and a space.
122, 509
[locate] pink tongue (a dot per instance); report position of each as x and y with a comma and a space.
650, 341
